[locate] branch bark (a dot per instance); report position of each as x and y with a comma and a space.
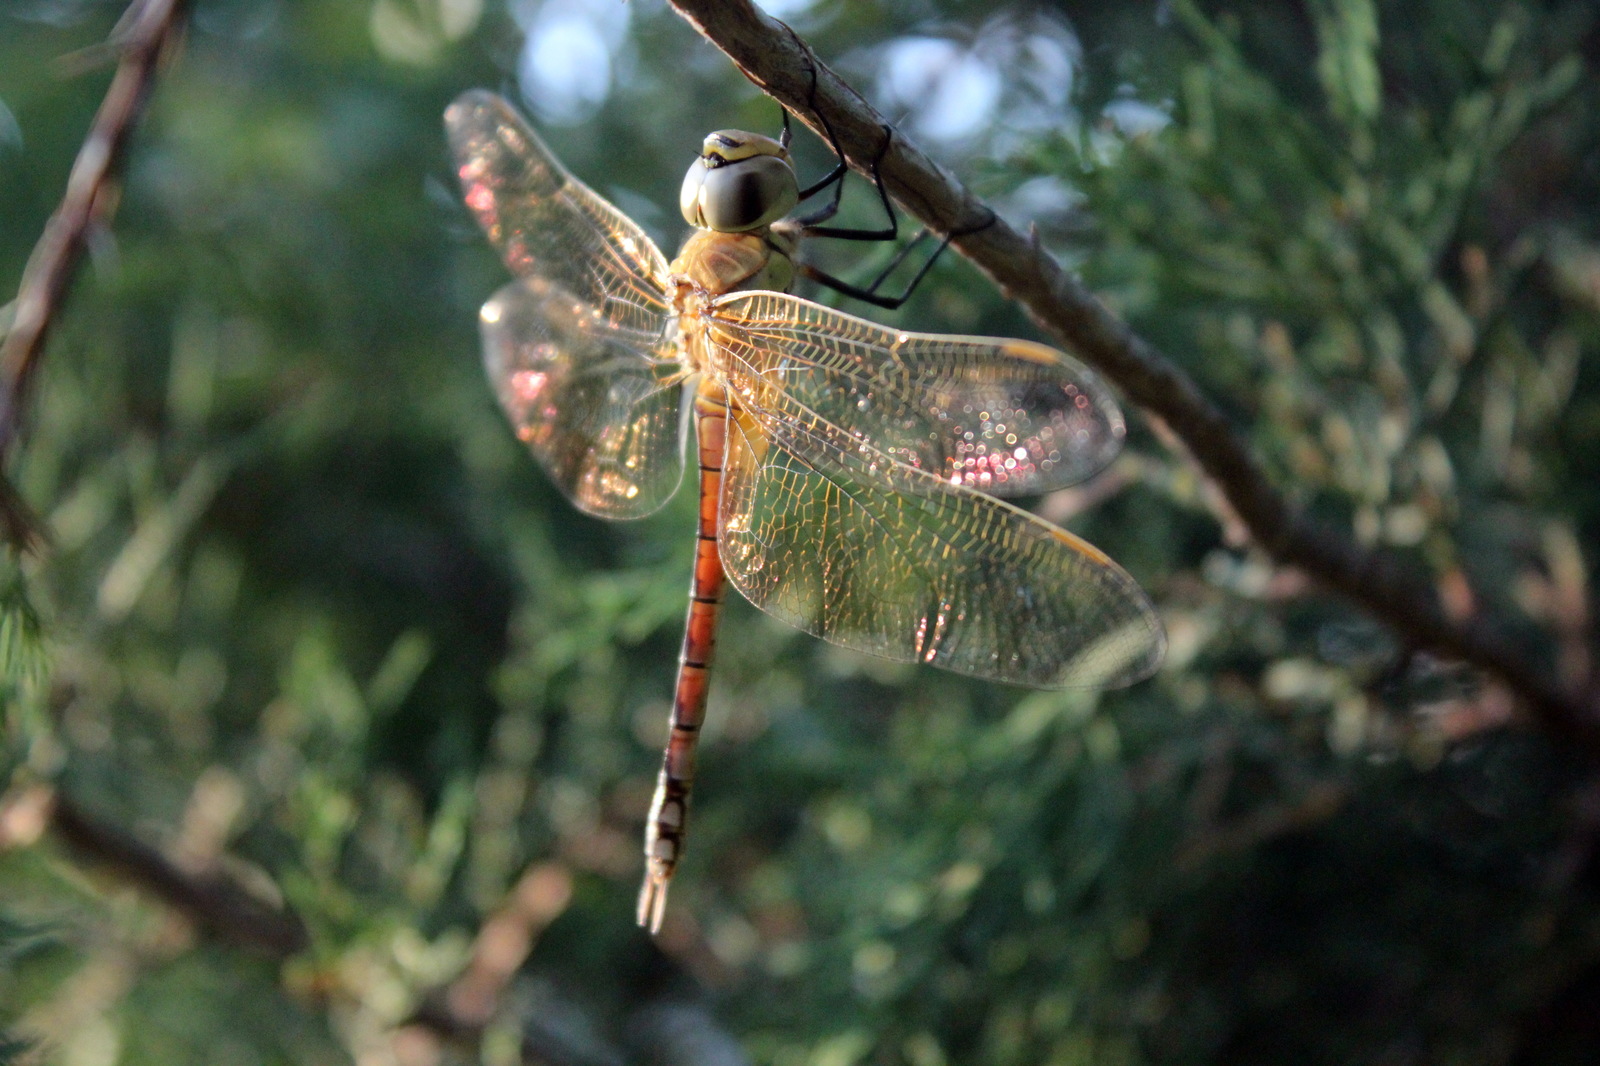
209, 897
143, 36
778, 62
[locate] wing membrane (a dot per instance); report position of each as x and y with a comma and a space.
580, 350
548, 224
878, 556
595, 401
1006, 417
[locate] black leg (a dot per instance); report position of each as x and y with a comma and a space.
810, 225
835, 177
900, 256
869, 293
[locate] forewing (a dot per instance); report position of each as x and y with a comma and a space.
1006, 417
548, 224
883, 558
595, 401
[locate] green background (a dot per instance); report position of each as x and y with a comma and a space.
309, 615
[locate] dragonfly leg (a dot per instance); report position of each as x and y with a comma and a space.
869, 293
834, 177
668, 822
810, 224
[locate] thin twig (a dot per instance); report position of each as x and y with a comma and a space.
1320, 802
774, 57
142, 37
227, 909
210, 897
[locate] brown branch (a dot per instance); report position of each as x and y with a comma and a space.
142, 37
209, 897
458, 1013
773, 57
1320, 802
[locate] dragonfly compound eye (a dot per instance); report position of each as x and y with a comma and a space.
742, 181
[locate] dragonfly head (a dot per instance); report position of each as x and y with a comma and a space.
742, 181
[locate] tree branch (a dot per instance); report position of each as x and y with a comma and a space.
143, 35
774, 57
209, 897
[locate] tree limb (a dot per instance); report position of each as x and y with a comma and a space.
142, 37
778, 62
209, 897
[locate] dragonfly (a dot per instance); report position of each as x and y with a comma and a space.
852, 477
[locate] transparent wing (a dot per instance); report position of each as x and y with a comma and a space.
876, 555
547, 223
597, 402
580, 349
1007, 417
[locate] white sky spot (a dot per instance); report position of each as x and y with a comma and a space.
1016, 75
948, 91
786, 9
609, 21
1051, 60
1042, 197
571, 55
909, 64
564, 68
1133, 117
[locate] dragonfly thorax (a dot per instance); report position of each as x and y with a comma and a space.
741, 182
716, 263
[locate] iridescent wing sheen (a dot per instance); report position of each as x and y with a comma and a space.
580, 350
1006, 417
844, 542
599, 404
547, 223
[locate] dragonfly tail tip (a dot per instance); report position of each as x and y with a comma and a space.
652, 902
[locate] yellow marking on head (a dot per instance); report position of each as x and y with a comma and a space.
730, 146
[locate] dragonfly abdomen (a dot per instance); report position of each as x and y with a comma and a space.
669, 811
